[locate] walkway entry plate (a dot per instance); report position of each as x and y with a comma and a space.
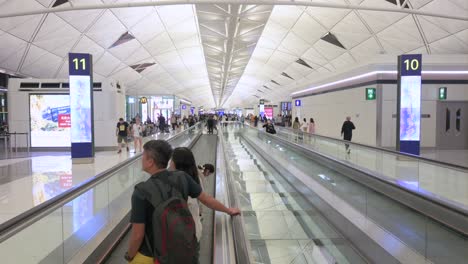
409, 104
81, 105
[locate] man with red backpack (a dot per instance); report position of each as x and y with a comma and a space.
163, 230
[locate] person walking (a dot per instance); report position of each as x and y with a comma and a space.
296, 127
162, 124
311, 128
174, 122
269, 127
137, 132
122, 134
347, 132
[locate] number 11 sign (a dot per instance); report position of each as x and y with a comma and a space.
81, 107
409, 104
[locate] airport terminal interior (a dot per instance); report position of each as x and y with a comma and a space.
337, 131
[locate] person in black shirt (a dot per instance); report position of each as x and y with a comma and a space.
162, 124
270, 128
347, 131
122, 134
156, 156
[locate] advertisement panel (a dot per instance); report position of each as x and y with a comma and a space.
269, 112
81, 109
49, 120
80, 71
409, 103
410, 110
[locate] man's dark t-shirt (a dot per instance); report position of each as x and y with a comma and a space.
123, 129
270, 128
142, 210
347, 130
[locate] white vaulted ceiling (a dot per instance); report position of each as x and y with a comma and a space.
222, 54
229, 34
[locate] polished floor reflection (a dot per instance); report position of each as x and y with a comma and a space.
28, 182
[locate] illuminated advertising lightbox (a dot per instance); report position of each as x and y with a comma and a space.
409, 104
80, 70
410, 110
81, 109
50, 120
269, 112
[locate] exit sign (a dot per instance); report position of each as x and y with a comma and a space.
442, 93
371, 94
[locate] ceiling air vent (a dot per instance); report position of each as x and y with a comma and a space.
304, 63
126, 37
59, 2
275, 82
330, 38
287, 75
266, 87
260, 90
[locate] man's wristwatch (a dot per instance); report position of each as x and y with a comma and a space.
127, 257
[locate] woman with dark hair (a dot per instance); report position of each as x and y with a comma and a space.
183, 160
312, 126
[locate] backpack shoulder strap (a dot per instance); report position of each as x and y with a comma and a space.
179, 187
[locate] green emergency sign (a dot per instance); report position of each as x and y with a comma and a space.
443, 93
371, 94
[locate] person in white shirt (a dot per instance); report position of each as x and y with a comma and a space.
305, 126
137, 132
183, 160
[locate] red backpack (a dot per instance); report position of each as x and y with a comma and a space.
174, 239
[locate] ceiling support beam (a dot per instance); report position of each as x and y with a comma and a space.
395, 9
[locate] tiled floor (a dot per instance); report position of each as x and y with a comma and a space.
455, 156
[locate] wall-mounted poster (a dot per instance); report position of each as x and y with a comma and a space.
50, 120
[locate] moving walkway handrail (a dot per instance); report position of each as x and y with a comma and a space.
22, 221
445, 164
241, 244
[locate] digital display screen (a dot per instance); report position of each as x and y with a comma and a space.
50, 120
80, 109
269, 112
262, 110
410, 108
